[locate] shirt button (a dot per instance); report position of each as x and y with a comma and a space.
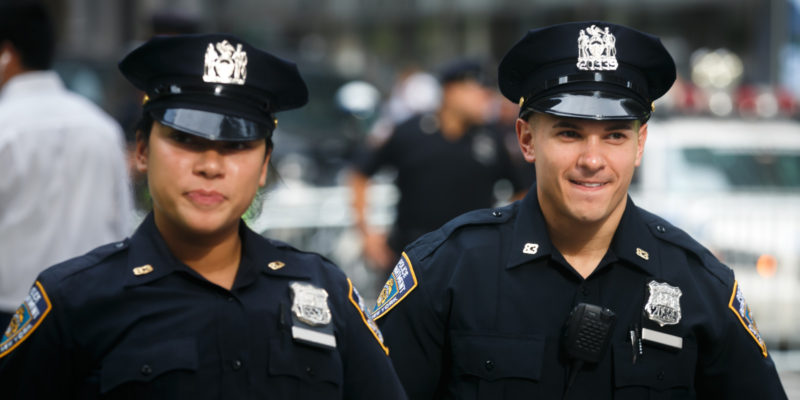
230, 299
660, 376
661, 228
310, 371
497, 213
585, 290
236, 364
489, 365
146, 370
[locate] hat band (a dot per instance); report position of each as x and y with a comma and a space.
259, 103
597, 77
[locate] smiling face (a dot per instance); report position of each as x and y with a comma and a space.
583, 167
200, 187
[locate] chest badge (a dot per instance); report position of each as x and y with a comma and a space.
664, 304
310, 304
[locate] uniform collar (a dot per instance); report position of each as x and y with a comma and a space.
530, 240
148, 248
632, 241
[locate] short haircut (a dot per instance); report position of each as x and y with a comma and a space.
26, 24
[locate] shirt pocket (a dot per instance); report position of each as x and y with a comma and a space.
133, 370
657, 373
494, 366
298, 370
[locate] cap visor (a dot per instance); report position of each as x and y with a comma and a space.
210, 125
592, 105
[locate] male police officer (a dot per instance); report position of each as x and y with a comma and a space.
574, 291
195, 304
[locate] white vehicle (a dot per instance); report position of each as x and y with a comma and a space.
734, 185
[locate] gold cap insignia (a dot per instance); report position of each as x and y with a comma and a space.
143, 270
521, 100
276, 265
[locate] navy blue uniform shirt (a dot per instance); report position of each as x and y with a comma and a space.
130, 321
438, 178
476, 310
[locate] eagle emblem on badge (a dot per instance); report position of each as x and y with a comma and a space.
225, 63
664, 304
597, 50
310, 304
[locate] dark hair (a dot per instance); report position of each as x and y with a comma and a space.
27, 25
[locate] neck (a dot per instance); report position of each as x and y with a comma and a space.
215, 257
452, 125
583, 244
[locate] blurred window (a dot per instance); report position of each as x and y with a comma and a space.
733, 169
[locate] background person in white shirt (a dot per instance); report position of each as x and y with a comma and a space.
64, 188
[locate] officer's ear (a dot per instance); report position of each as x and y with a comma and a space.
141, 153
525, 139
642, 137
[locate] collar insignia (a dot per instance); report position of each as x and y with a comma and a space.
663, 306
276, 265
597, 50
226, 64
310, 304
531, 248
643, 254
143, 270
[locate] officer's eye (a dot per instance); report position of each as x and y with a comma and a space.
237, 146
617, 136
569, 134
183, 138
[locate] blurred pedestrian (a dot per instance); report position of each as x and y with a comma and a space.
446, 162
574, 292
195, 304
65, 187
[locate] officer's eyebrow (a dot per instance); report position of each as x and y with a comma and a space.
620, 125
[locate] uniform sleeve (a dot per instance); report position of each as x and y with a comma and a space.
34, 360
368, 372
740, 366
413, 331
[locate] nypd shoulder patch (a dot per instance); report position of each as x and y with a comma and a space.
739, 307
358, 302
400, 284
26, 319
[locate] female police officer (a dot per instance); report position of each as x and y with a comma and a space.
520, 302
195, 304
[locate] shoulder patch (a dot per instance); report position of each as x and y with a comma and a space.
742, 311
26, 319
400, 284
358, 302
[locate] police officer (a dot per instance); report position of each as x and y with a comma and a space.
574, 292
195, 304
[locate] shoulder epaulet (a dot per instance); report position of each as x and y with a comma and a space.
426, 244
669, 233
92, 258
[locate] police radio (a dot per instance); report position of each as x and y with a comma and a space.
586, 336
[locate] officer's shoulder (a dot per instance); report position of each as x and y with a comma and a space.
306, 262
669, 233
87, 263
482, 221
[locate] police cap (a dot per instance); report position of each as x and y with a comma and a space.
593, 70
215, 86
460, 70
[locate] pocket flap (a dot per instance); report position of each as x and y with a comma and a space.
144, 364
493, 357
306, 363
656, 368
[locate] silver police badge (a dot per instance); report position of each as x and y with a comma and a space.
597, 50
226, 64
310, 304
664, 304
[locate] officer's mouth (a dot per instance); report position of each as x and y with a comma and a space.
205, 198
588, 185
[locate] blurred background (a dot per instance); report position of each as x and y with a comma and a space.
722, 159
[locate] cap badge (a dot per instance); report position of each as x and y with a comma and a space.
226, 64
597, 50
664, 304
310, 304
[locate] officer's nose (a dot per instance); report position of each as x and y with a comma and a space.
591, 157
209, 163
